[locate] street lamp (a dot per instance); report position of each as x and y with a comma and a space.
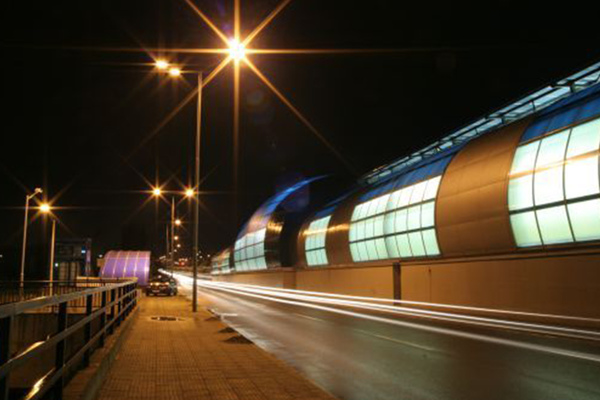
47, 209
237, 49
156, 192
27, 199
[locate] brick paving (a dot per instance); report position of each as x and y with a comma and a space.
190, 359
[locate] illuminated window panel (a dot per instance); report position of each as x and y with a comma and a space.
585, 138
314, 244
406, 211
524, 159
552, 149
554, 225
249, 251
548, 186
554, 188
520, 194
430, 242
581, 177
416, 244
585, 220
525, 230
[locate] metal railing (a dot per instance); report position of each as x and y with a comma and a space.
106, 305
525, 106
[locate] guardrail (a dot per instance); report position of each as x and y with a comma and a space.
110, 303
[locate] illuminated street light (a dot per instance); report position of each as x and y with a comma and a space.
174, 72
189, 192
237, 50
162, 65
156, 191
27, 199
45, 208
177, 222
176, 237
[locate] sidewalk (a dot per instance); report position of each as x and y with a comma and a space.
190, 359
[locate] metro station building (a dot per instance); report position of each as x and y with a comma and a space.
503, 213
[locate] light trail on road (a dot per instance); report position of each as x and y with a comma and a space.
357, 350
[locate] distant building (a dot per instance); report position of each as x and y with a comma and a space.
127, 264
73, 258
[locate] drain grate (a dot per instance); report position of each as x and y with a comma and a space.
165, 318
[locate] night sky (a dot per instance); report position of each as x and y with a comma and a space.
77, 119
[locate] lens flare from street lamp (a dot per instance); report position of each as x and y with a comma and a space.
156, 192
162, 65
45, 208
177, 222
237, 50
189, 193
175, 72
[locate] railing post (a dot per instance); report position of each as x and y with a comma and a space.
111, 329
103, 318
5, 335
120, 306
87, 333
60, 351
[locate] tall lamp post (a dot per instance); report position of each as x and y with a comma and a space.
237, 52
47, 209
175, 72
23, 252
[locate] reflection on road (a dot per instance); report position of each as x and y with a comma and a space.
380, 351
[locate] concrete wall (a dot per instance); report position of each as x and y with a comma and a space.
367, 281
558, 284
562, 283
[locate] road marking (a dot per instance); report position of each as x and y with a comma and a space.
402, 342
307, 317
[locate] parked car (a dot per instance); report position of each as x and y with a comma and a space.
162, 285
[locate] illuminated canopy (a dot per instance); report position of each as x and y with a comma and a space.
127, 264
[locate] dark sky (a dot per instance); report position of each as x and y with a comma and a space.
77, 120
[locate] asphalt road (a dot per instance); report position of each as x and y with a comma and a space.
358, 358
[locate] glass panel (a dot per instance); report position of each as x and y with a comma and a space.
389, 222
548, 185
431, 245
394, 199
585, 219
378, 226
525, 158
520, 193
381, 249
432, 188
383, 200
552, 149
360, 230
404, 245
352, 232
427, 214
354, 251
401, 217
392, 248
525, 229
418, 192
581, 177
371, 250
414, 217
369, 231
416, 244
405, 196
362, 251
584, 138
554, 225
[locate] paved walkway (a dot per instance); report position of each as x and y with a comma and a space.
190, 359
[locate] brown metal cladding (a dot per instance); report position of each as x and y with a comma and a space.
337, 241
471, 209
